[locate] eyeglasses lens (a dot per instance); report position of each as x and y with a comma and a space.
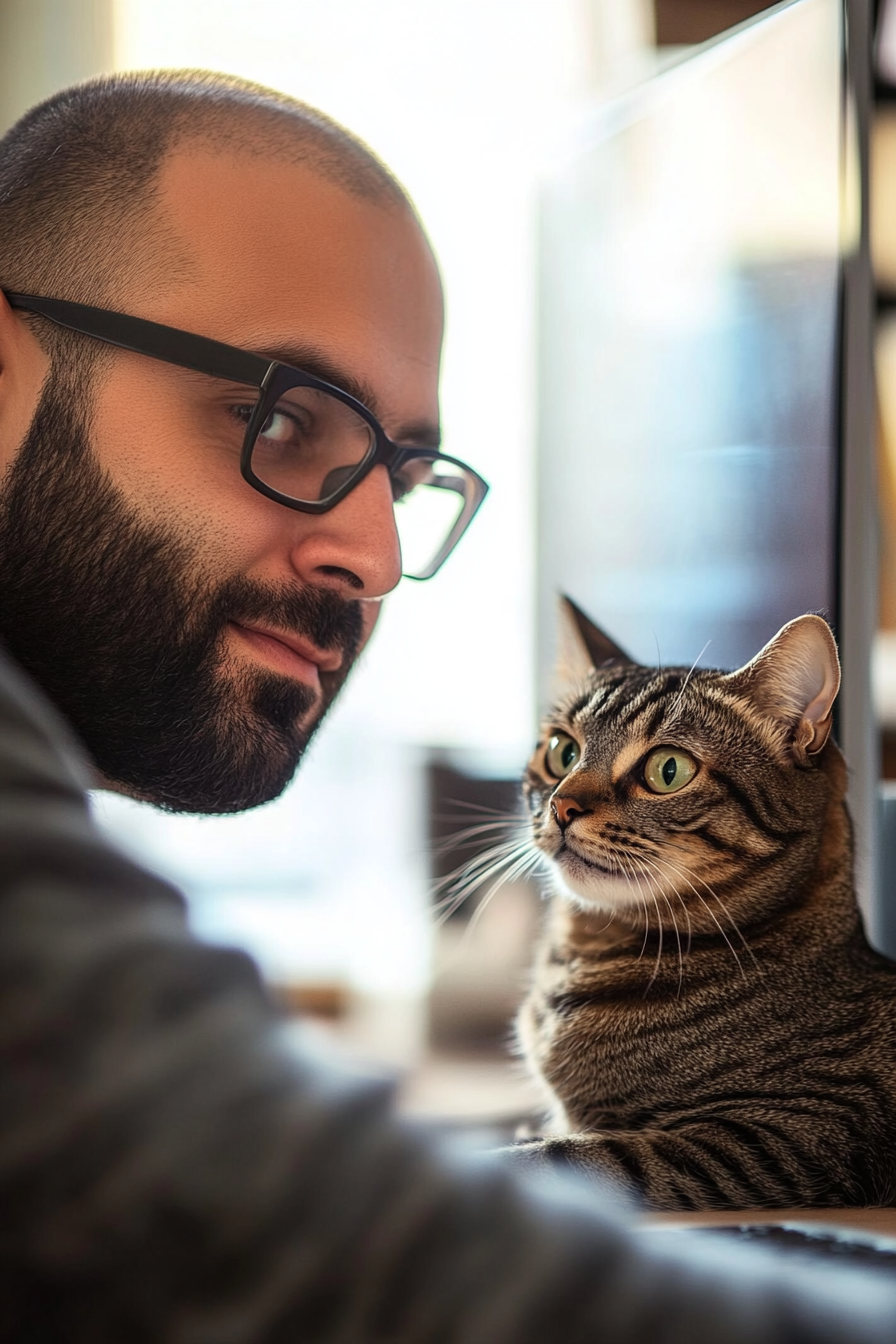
311, 444
430, 495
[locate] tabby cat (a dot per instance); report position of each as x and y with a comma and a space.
712, 1027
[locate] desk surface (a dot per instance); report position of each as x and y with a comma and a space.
879, 1221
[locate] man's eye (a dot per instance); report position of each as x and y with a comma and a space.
278, 428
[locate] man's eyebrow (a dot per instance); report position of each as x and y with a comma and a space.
421, 433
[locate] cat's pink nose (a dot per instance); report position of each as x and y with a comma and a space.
566, 810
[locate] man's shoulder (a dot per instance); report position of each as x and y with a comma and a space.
37, 748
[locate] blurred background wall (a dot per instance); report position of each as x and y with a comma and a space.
46, 44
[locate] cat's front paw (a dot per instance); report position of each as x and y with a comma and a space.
579, 1154
554, 1153
527, 1151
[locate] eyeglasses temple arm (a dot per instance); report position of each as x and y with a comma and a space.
150, 338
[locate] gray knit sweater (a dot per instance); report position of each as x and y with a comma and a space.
172, 1170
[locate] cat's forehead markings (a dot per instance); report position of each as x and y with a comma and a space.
649, 704
630, 702
628, 757
769, 731
614, 691
576, 703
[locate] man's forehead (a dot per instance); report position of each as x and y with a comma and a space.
269, 240
268, 210
271, 256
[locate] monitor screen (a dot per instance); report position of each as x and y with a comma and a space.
706, 468
689, 387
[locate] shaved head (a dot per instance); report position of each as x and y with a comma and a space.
192, 629
80, 216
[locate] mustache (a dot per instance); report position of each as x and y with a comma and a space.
329, 621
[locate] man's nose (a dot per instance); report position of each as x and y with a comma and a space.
566, 809
354, 547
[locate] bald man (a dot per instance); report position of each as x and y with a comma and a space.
188, 583
219, 354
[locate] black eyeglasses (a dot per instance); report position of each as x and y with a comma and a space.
305, 443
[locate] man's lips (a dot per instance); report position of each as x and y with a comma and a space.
291, 654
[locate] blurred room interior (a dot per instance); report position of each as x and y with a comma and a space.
346, 888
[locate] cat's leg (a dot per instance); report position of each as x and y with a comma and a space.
583, 1154
706, 1165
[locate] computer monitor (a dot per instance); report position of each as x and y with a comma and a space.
705, 446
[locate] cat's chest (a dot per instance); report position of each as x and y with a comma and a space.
620, 1038
625, 1039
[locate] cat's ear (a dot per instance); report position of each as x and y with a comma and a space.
583, 646
794, 680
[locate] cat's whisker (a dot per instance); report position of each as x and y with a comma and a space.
519, 849
511, 824
514, 856
527, 860
687, 914
450, 847
646, 910
629, 870
684, 876
455, 897
722, 932
481, 807
493, 823
443, 912
462, 839
512, 846
709, 911
659, 950
677, 940
525, 863
518, 869
716, 897
746, 946
653, 894
459, 892
480, 827
684, 685
445, 908
651, 883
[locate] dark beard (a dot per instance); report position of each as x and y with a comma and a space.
108, 615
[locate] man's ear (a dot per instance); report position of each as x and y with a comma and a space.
10, 333
794, 682
23, 369
583, 646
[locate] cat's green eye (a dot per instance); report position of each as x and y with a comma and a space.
561, 755
667, 770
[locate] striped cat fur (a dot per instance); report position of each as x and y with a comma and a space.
712, 1028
